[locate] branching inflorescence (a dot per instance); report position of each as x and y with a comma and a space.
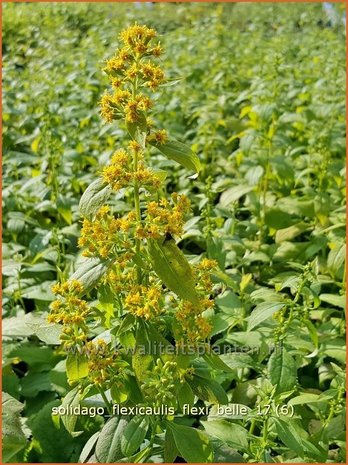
147, 279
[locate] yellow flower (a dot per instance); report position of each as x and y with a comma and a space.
135, 36
109, 110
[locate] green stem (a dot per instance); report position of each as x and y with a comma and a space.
252, 426
136, 187
138, 214
264, 191
105, 399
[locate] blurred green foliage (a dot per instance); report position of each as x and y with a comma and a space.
261, 99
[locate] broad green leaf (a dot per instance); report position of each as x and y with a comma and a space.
71, 400
134, 435
209, 390
225, 454
304, 399
48, 333
287, 234
108, 448
232, 434
216, 362
262, 312
282, 370
142, 360
13, 437
295, 438
89, 271
94, 197
278, 219
119, 394
234, 193
137, 130
192, 444
179, 152
64, 208
336, 259
185, 395
334, 299
88, 448
76, 367
56, 444
313, 333
171, 265
170, 451
34, 383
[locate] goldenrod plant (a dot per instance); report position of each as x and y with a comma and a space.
135, 282
198, 304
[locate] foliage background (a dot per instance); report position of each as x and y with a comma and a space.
262, 101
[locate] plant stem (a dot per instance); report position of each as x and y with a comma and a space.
138, 213
105, 399
136, 188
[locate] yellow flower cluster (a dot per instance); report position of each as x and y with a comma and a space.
203, 275
120, 174
193, 326
144, 301
72, 287
71, 311
127, 71
160, 137
161, 218
105, 235
102, 362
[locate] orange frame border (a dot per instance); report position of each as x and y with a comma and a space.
159, 1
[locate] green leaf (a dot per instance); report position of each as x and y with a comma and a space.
262, 312
180, 153
172, 267
64, 208
142, 359
56, 444
170, 451
225, 454
71, 400
76, 367
303, 399
33, 383
192, 444
209, 390
108, 448
94, 197
89, 272
287, 234
232, 434
185, 395
278, 219
134, 435
48, 333
119, 394
313, 333
335, 259
138, 129
294, 437
333, 299
215, 362
88, 448
13, 437
282, 370
234, 193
